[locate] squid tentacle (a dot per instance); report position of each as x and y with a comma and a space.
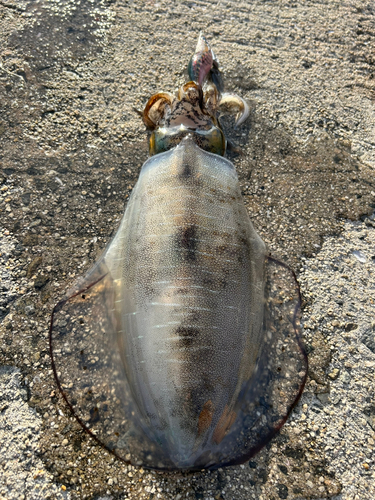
231, 104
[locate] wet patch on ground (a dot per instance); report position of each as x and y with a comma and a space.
295, 195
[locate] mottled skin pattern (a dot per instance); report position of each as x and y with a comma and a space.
190, 289
191, 111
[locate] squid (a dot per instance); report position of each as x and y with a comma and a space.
181, 348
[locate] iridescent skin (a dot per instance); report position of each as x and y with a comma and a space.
169, 350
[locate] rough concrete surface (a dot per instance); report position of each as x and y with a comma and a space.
71, 74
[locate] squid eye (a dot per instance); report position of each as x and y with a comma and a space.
212, 140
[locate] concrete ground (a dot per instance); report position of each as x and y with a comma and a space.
71, 147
